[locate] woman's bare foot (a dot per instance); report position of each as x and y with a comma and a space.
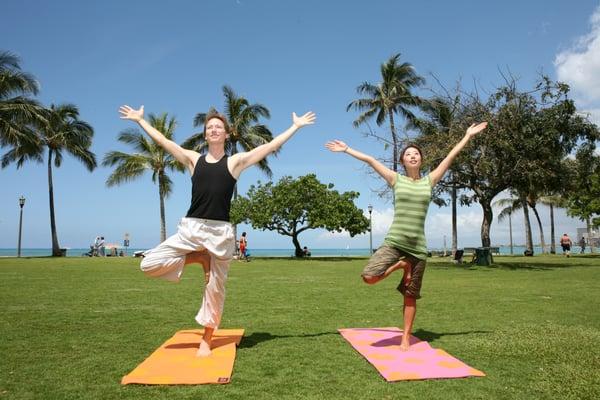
400, 265
202, 258
404, 344
204, 349
407, 275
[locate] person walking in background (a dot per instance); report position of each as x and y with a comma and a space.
582, 244
243, 246
101, 247
96, 247
566, 243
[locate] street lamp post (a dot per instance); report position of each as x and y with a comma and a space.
370, 208
21, 204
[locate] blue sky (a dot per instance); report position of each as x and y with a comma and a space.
288, 55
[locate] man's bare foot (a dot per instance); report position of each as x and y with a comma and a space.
204, 349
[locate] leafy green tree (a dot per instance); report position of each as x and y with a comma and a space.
437, 122
392, 96
18, 112
62, 132
529, 134
293, 206
148, 156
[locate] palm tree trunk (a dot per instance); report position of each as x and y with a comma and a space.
528, 238
454, 230
163, 230
55, 246
488, 216
394, 140
539, 221
589, 232
510, 232
552, 235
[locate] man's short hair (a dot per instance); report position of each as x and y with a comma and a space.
215, 114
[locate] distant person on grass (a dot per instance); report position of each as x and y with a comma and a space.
566, 243
404, 246
582, 245
205, 235
243, 246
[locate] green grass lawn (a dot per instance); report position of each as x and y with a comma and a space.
70, 328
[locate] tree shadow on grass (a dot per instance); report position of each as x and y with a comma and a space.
430, 337
517, 265
259, 337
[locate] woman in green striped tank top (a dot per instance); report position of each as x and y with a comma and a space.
404, 246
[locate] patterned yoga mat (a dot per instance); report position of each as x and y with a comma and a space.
381, 348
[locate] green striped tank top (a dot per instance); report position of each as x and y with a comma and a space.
411, 202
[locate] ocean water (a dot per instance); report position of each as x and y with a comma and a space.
351, 252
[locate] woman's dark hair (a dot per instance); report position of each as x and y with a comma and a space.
410, 146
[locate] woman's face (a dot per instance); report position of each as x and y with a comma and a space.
215, 131
411, 158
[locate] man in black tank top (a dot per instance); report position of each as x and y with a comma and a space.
205, 236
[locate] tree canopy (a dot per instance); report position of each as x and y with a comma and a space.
293, 206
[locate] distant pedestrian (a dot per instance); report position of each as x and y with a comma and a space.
566, 243
244, 247
582, 244
101, 247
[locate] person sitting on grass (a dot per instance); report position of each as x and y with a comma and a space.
205, 235
405, 246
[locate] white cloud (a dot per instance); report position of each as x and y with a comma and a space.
579, 65
381, 224
382, 220
468, 222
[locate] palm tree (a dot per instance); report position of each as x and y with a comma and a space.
17, 111
63, 131
532, 200
245, 130
149, 156
553, 201
391, 96
508, 206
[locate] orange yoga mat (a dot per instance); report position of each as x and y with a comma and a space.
175, 362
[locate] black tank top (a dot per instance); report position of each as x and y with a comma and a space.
212, 188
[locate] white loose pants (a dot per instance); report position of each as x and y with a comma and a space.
195, 234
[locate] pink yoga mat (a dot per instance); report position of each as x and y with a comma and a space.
381, 347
